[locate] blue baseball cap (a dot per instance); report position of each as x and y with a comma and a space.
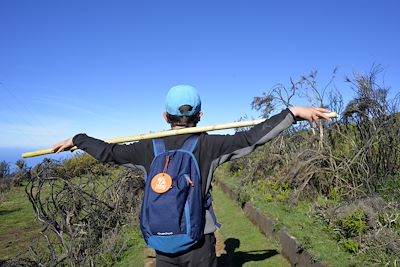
181, 95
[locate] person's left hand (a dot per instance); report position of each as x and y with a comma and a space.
63, 146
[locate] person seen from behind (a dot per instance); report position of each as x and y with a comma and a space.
177, 220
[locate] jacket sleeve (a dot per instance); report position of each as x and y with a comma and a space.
224, 148
120, 154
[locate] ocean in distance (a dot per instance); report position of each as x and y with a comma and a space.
11, 155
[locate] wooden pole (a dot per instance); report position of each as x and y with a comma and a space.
189, 130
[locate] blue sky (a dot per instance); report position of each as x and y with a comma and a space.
104, 67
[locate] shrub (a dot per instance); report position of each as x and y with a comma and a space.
82, 164
4, 169
273, 190
22, 173
83, 218
5, 185
350, 245
353, 225
350, 166
334, 195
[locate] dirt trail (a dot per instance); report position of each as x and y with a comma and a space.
220, 245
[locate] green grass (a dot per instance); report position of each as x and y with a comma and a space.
244, 243
134, 255
254, 249
18, 227
299, 222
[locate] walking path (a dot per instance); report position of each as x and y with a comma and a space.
244, 244
239, 242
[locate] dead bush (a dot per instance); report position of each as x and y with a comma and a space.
79, 214
353, 163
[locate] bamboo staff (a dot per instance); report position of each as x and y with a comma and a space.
189, 130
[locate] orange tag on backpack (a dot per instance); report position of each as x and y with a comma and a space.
161, 183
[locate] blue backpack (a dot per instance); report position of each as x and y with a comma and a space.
172, 217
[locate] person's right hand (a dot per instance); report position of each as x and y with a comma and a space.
311, 114
63, 146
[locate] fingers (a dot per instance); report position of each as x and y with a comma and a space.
323, 110
315, 115
309, 113
323, 115
315, 119
63, 146
59, 148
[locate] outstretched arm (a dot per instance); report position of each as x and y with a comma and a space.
104, 152
228, 147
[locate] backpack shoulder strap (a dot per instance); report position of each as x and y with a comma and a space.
190, 143
158, 146
208, 206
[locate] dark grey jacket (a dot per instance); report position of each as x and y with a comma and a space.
211, 151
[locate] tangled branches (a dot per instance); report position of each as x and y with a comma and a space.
352, 162
79, 213
356, 155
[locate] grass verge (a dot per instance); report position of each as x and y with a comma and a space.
134, 255
299, 222
18, 227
